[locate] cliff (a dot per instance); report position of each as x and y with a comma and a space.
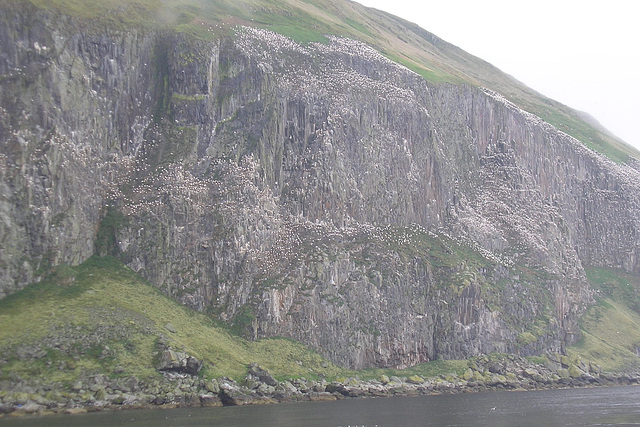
316, 191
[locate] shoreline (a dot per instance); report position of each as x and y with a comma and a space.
98, 393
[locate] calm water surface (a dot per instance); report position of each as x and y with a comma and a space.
572, 407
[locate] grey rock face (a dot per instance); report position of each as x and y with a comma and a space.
74, 109
171, 360
319, 192
262, 375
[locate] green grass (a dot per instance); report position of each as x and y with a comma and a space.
611, 328
615, 285
434, 75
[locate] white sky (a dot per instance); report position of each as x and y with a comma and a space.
583, 53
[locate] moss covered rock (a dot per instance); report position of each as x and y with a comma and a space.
415, 379
575, 372
468, 375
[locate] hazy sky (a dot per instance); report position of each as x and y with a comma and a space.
583, 53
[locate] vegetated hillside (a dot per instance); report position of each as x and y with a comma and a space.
101, 317
259, 162
611, 328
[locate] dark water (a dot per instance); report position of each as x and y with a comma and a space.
572, 407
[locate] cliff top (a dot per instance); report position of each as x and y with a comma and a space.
311, 21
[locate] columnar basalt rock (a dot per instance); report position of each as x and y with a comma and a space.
320, 192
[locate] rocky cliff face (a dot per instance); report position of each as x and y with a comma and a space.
320, 192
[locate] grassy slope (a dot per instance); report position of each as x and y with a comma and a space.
310, 20
75, 304
611, 328
103, 291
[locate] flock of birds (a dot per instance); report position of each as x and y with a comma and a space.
271, 237
316, 74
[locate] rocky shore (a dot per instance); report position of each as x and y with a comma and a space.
178, 389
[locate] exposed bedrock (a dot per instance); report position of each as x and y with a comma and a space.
319, 192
